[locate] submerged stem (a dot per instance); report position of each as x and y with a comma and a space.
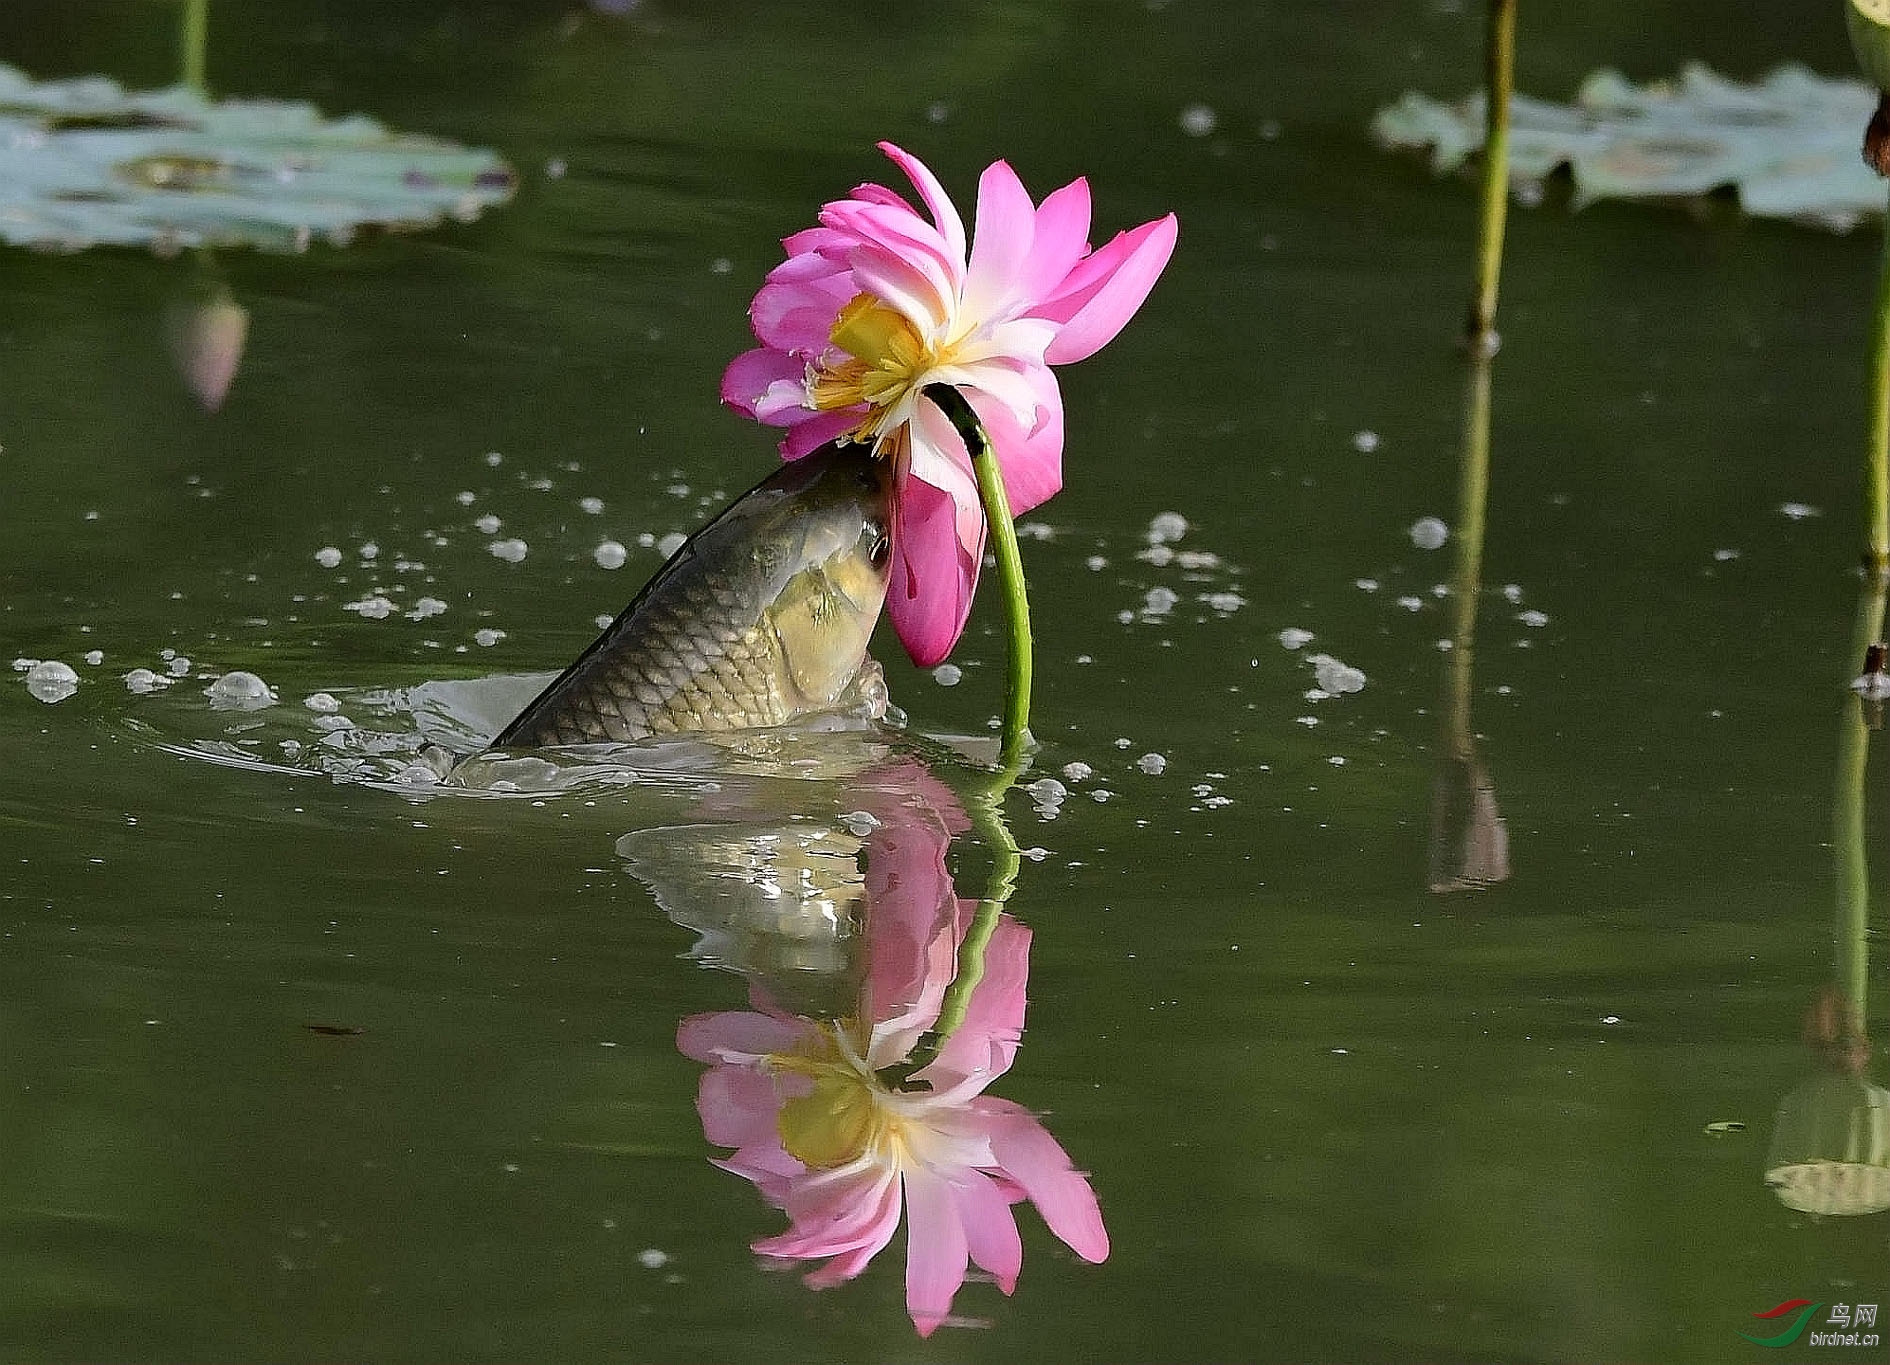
1499, 78
997, 516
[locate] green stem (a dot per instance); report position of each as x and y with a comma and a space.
986, 809
997, 516
1877, 470
1466, 585
195, 39
1850, 946
1499, 79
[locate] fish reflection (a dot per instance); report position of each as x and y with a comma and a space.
1830, 1152
1469, 843
872, 1108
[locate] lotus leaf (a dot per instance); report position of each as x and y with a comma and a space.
87, 163
1787, 144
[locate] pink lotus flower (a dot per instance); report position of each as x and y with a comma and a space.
878, 302
824, 1137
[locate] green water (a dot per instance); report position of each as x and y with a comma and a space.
294, 1068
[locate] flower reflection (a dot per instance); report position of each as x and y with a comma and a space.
848, 1124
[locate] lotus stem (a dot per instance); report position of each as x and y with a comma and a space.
195, 39
1850, 946
1466, 584
1499, 79
986, 809
1877, 467
997, 516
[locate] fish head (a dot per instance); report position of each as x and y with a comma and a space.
837, 531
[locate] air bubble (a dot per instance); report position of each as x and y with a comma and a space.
240, 691
51, 681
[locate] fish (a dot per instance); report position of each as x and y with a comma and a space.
760, 618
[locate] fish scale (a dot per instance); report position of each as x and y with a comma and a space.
761, 617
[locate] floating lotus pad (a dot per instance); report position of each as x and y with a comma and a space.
87, 163
1787, 144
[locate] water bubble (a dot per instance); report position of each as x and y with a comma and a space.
1159, 601
1512, 592
1365, 442
1100, 795
1166, 526
142, 680
1095, 563
1293, 637
1798, 511
602, 621
179, 665
1365, 584
1048, 794
1725, 556
511, 550
240, 691
948, 675
494, 459
1429, 533
51, 681
594, 506
95, 657
721, 265
652, 1259
487, 525
328, 557
859, 823
610, 555
417, 775
1411, 603
670, 543
1077, 772
1197, 120
487, 636
322, 703
1532, 618
1336, 677
1152, 764
1158, 555
374, 607
465, 497
425, 607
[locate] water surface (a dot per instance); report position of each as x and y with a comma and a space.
301, 1068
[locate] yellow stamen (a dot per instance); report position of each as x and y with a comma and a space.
886, 359
845, 1115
